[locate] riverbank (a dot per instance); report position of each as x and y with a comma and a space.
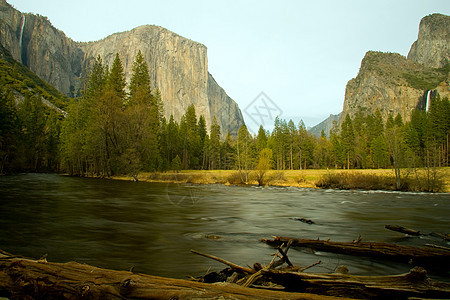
355, 179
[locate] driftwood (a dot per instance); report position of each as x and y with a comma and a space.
412, 284
22, 278
425, 256
409, 231
403, 230
293, 279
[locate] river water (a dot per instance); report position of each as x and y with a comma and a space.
153, 226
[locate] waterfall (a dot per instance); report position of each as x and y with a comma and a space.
21, 33
427, 105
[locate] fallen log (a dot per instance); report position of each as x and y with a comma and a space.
409, 231
403, 230
412, 284
22, 278
424, 256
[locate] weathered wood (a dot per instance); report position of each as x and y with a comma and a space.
409, 231
413, 284
445, 237
402, 229
228, 263
420, 255
22, 278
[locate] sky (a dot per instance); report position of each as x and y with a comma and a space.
297, 55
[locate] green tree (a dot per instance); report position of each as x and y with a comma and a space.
379, 152
140, 80
116, 78
244, 153
32, 116
348, 140
265, 162
214, 146
144, 116
176, 163
9, 132
228, 153
261, 139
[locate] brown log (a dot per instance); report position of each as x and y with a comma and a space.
22, 278
420, 255
409, 231
412, 284
402, 229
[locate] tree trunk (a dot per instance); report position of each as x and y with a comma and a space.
405, 286
437, 258
30, 279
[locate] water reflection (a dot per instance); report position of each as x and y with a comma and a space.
119, 224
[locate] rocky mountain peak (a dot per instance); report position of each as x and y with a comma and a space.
432, 47
394, 84
178, 66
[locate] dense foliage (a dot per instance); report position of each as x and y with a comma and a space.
114, 129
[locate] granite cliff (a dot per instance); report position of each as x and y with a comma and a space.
178, 66
395, 84
326, 125
432, 47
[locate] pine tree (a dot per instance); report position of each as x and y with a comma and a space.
144, 116
9, 132
214, 146
140, 80
261, 139
116, 78
348, 140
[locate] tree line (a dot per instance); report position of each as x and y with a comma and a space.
115, 128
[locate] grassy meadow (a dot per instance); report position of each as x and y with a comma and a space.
376, 179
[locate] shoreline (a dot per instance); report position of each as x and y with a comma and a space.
278, 178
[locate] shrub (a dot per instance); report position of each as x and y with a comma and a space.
355, 180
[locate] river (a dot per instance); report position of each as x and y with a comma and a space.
153, 226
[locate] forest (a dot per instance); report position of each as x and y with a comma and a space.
114, 128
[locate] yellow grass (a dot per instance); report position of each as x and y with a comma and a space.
295, 178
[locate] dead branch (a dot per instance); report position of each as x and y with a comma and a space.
421, 255
402, 229
230, 264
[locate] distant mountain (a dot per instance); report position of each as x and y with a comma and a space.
325, 125
178, 66
395, 84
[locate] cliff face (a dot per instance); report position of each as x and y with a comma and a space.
178, 67
326, 125
394, 84
432, 47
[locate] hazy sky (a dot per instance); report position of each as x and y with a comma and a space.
299, 53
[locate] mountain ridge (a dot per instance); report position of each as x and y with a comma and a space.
178, 66
395, 84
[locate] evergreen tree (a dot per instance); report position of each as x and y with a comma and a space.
348, 140
261, 139
144, 116
140, 80
228, 153
9, 132
214, 146
116, 78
